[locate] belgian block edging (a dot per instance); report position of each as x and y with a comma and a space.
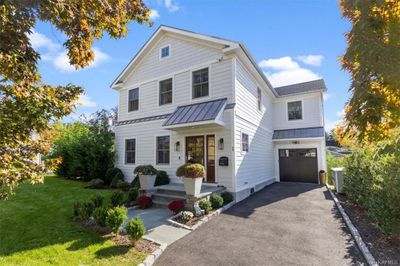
354, 232
151, 258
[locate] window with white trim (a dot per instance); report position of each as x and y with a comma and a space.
295, 110
200, 83
133, 104
164, 52
245, 142
165, 92
130, 151
162, 149
259, 99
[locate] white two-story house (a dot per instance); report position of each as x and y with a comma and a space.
188, 96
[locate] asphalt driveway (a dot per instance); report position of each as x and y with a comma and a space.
284, 224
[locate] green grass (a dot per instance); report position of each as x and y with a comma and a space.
37, 228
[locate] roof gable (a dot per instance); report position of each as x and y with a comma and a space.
304, 87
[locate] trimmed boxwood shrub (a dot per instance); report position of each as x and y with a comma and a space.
115, 218
145, 170
83, 209
100, 215
135, 229
133, 194
117, 198
216, 201
205, 205
117, 178
98, 200
191, 170
123, 185
135, 182
176, 206
77, 208
162, 178
144, 202
111, 173
227, 196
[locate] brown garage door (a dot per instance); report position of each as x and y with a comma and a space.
298, 165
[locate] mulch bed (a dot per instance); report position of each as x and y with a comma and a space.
189, 223
385, 249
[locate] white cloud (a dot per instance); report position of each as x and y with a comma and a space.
340, 113
327, 96
154, 14
284, 71
43, 44
171, 6
313, 60
85, 101
61, 61
331, 124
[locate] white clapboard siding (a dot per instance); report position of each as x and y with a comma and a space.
312, 112
256, 165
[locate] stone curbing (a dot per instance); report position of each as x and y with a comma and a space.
151, 258
356, 235
203, 220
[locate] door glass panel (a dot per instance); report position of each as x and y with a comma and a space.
195, 149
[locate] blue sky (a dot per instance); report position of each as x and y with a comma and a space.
293, 41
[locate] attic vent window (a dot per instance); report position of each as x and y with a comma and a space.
164, 52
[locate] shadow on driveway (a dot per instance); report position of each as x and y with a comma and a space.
285, 223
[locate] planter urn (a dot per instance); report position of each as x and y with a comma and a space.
147, 181
192, 185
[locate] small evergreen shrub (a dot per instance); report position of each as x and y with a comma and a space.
86, 210
133, 194
77, 208
227, 197
176, 206
117, 178
144, 202
98, 200
135, 229
96, 183
191, 170
205, 205
135, 182
216, 201
145, 170
123, 185
115, 218
100, 215
111, 173
117, 198
162, 178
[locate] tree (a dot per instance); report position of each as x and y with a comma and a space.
28, 106
373, 60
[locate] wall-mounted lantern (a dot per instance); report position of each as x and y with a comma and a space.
221, 144
177, 146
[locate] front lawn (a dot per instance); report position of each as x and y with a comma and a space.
37, 228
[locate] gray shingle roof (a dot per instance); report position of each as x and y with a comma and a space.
315, 85
196, 112
296, 133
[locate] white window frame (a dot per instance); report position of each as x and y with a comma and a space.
287, 111
155, 150
158, 94
241, 142
136, 145
128, 90
209, 83
160, 53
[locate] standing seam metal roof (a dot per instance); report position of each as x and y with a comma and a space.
311, 132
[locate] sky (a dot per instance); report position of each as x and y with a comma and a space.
292, 40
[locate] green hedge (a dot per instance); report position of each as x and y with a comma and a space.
372, 180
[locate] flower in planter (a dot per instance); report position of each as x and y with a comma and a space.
191, 170
145, 170
187, 216
176, 206
144, 202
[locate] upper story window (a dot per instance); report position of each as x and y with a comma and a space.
133, 101
200, 83
162, 150
245, 142
295, 110
165, 94
259, 99
164, 52
130, 151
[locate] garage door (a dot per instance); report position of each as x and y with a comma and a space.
298, 165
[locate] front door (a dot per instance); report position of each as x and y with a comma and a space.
200, 149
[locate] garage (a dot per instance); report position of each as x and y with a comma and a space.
298, 165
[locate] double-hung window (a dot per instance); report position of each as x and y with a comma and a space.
245, 142
130, 151
295, 110
200, 83
165, 95
133, 104
162, 149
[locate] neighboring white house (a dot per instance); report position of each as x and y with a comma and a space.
191, 96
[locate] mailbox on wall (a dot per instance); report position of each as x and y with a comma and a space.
223, 161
